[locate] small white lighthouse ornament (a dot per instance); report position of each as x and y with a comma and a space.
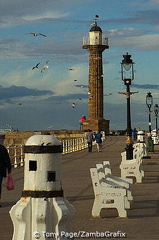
42, 212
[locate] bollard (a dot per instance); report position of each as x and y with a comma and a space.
141, 136
42, 212
141, 142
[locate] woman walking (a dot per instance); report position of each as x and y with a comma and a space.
98, 139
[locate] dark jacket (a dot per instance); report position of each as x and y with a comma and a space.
98, 137
5, 163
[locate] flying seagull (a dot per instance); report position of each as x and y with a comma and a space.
70, 69
37, 34
45, 66
73, 105
36, 66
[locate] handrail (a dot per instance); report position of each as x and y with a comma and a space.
69, 145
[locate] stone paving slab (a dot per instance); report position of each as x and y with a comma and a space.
143, 217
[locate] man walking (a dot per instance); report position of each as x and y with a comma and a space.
90, 138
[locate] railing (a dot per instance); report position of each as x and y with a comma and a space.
73, 144
16, 155
69, 145
86, 41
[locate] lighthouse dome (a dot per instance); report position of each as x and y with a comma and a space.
96, 28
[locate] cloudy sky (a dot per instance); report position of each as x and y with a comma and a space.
31, 100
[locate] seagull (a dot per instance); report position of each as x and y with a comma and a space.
108, 94
73, 105
37, 34
45, 66
70, 69
36, 66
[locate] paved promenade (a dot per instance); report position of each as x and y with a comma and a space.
143, 217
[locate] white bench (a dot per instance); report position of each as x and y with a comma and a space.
123, 182
142, 148
132, 168
107, 193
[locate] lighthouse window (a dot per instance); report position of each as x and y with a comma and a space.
51, 176
32, 165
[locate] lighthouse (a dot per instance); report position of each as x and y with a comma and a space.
95, 44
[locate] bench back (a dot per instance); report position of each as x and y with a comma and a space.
106, 167
95, 180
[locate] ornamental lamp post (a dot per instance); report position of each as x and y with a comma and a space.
156, 109
127, 74
149, 103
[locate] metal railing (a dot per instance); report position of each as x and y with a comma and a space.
69, 145
86, 41
16, 155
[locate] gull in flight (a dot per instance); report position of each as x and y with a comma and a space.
37, 34
36, 66
73, 105
70, 69
45, 66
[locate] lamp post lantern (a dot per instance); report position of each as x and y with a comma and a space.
127, 74
149, 103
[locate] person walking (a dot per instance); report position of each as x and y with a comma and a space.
134, 134
89, 138
98, 139
5, 166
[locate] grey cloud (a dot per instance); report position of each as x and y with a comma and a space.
67, 97
129, 31
137, 17
20, 91
11, 48
145, 17
20, 12
146, 86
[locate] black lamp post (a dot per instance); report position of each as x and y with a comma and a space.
127, 73
156, 108
149, 103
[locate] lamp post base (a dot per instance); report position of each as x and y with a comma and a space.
129, 152
129, 148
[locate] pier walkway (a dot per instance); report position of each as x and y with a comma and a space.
143, 217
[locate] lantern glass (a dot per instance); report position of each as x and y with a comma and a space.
127, 62
127, 66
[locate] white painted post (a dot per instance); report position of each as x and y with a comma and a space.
42, 208
15, 157
21, 156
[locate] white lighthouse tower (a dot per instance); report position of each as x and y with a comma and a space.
95, 44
